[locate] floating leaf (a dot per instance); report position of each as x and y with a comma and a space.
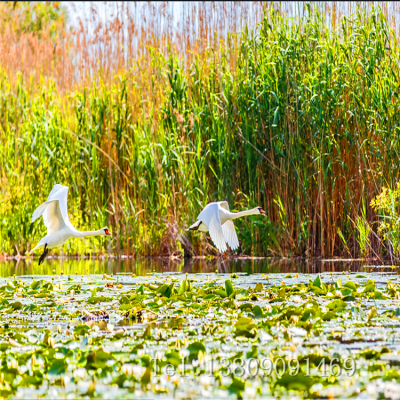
259, 287
229, 287
4, 346
336, 305
146, 377
299, 382
237, 385
58, 367
317, 282
351, 285
34, 285
369, 288
182, 287
348, 298
17, 305
245, 327
81, 330
257, 311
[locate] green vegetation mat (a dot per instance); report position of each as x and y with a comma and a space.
202, 335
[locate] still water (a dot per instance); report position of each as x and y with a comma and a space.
141, 267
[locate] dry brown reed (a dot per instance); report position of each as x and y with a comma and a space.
106, 39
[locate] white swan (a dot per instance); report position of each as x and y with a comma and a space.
217, 219
55, 217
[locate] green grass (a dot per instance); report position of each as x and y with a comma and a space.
298, 118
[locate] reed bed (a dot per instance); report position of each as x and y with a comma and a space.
298, 115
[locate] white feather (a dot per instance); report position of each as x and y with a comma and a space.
230, 236
55, 217
217, 219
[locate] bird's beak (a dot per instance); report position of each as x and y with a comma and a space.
262, 211
108, 232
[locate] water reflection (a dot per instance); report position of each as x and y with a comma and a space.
70, 266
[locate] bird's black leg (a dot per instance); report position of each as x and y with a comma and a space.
45, 252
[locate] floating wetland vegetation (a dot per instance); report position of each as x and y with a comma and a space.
200, 335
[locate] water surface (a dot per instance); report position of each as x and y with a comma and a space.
82, 328
144, 266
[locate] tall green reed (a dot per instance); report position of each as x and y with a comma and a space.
299, 118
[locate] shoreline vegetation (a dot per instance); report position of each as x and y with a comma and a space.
294, 115
228, 257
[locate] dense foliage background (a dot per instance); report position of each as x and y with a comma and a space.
299, 116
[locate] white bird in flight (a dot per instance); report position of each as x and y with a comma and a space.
217, 219
55, 217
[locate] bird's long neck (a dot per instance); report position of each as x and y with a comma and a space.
89, 233
239, 214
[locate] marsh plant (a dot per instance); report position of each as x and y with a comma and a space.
387, 205
364, 232
295, 115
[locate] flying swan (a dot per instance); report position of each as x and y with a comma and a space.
55, 217
217, 219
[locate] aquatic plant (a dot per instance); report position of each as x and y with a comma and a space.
241, 335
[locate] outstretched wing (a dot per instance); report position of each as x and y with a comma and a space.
216, 233
60, 193
228, 228
210, 209
207, 212
210, 217
54, 210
